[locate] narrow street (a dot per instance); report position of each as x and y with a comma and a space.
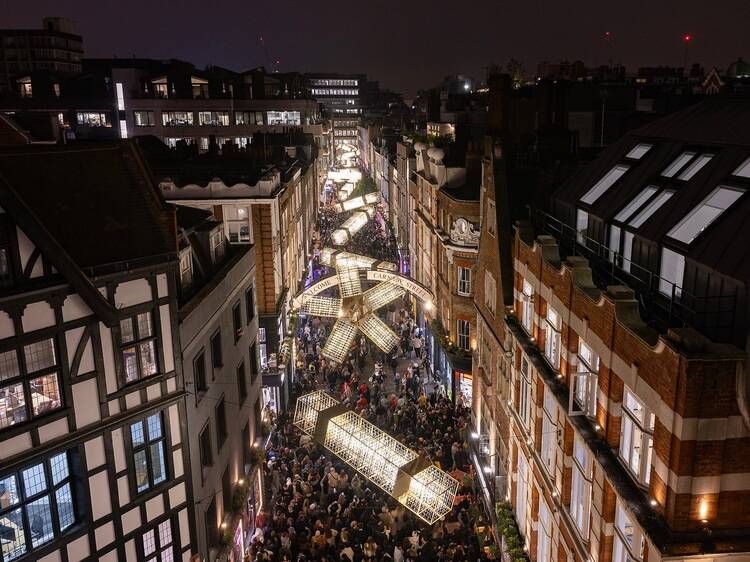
320, 508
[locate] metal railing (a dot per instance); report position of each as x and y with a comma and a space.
662, 302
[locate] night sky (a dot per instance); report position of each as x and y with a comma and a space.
405, 45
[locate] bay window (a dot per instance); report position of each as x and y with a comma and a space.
36, 505
580, 492
637, 436
552, 337
585, 382
148, 442
138, 346
30, 388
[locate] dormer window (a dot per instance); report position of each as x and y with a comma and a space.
217, 245
199, 88
24, 88
161, 87
186, 268
601, 187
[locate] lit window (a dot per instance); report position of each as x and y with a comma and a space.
93, 119
36, 503
147, 438
651, 208
522, 490
144, 118
176, 118
462, 329
284, 118
157, 543
614, 242
695, 167
138, 346
671, 273
524, 393
639, 151
527, 307
186, 267
213, 118
743, 170
636, 436
490, 297
636, 203
552, 337
604, 184
20, 400
706, 212
585, 382
678, 164
580, 493
464, 281
549, 430
629, 543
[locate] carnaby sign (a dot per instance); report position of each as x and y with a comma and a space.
403, 282
314, 289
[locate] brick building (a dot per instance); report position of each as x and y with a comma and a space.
610, 400
445, 215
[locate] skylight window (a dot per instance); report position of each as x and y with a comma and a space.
604, 184
677, 165
636, 203
706, 212
639, 151
744, 170
695, 167
650, 209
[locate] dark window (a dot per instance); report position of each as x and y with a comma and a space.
148, 442
36, 505
216, 358
246, 445
158, 544
253, 363
221, 424
249, 304
207, 456
241, 382
199, 372
138, 346
6, 265
226, 490
256, 413
212, 530
237, 322
29, 382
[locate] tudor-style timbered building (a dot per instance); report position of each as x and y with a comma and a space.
93, 457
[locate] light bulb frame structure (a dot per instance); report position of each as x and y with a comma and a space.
411, 479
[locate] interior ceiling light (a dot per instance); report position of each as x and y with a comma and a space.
411, 479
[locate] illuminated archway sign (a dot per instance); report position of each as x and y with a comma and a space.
412, 480
405, 283
355, 308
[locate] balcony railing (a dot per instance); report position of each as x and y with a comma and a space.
663, 303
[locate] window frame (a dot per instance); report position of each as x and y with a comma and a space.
25, 378
527, 307
672, 233
159, 549
490, 292
137, 342
552, 333
146, 446
206, 431
237, 321
524, 392
249, 304
548, 452
50, 491
623, 552
254, 365
222, 429
585, 383
630, 426
150, 118
201, 382
463, 278
242, 382
217, 353
463, 340
581, 483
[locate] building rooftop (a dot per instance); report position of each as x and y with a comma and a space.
76, 190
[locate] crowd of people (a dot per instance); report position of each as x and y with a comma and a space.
319, 508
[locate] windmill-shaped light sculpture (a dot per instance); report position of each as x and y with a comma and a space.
355, 309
